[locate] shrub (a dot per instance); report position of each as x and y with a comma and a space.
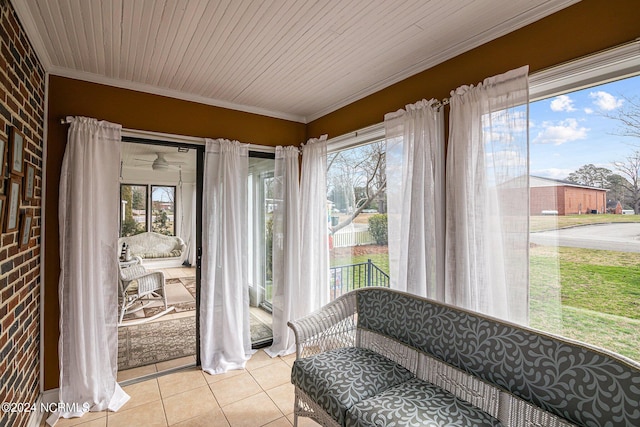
378, 228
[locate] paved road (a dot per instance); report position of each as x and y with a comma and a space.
610, 237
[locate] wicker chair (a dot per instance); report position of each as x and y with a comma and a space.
138, 288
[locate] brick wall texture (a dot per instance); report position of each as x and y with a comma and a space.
22, 96
567, 200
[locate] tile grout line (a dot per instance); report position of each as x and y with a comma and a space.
214, 397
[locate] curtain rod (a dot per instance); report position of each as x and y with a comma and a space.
134, 135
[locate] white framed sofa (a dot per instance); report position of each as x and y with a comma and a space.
379, 357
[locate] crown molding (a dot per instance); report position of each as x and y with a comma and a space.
499, 30
523, 19
171, 93
33, 35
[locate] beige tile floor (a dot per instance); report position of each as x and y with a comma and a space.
260, 395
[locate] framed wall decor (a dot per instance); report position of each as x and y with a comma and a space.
29, 182
11, 221
3, 209
3, 159
26, 222
16, 152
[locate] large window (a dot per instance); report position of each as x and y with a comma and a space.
584, 219
357, 212
585, 201
147, 208
133, 207
163, 207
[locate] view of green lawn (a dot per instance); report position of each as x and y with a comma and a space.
543, 223
583, 294
597, 299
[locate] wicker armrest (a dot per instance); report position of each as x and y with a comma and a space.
333, 326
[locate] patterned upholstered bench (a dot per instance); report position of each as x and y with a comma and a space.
378, 357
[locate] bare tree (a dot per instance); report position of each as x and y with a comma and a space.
360, 175
630, 169
628, 117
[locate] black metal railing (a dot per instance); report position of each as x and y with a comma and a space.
345, 278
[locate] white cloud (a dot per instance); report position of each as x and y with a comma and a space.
560, 132
588, 110
562, 103
605, 101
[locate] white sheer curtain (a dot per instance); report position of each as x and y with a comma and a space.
88, 287
286, 250
488, 197
314, 265
187, 197
415, 195
225, 339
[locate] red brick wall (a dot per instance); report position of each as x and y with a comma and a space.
583, 200
22, 86
566, 200
543, 199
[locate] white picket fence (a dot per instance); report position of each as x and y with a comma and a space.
346, 238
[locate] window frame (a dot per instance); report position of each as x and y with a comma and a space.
150, 205
146, 206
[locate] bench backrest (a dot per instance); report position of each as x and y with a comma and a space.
577, 382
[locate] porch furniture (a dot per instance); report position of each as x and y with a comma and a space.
138, 288
379, 357
151, 245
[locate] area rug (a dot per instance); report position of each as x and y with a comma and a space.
261, 333
155, 342
181, 295
141, 344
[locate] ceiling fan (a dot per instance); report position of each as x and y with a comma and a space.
161, 163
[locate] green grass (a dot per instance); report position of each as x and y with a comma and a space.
380, 260
588, 295
543, 223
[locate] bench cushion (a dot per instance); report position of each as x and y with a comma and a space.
337, 379
417, 403
571, 380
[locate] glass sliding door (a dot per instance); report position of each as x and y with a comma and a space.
261, 205
165, 200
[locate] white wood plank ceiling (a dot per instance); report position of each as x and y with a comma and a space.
291, 59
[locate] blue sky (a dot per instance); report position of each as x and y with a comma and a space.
569, 131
